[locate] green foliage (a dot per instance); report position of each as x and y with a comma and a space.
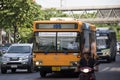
118, 32
19, 12
52, 12
25, 35
22, 13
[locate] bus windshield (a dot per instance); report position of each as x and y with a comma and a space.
102, 42
57, 42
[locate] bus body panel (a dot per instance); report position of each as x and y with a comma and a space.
53, 59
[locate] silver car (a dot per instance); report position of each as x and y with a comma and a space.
18, 56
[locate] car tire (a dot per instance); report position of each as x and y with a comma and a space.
3, 70
30, 69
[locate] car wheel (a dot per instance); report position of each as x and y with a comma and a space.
13, 70
30, 69
3, 70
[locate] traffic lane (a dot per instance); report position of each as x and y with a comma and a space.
60, 76
23, 75
108, 76
109, 71
56, 76
19, 75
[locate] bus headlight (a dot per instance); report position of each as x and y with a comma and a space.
73, 63
5, 59
106, 52
38, 62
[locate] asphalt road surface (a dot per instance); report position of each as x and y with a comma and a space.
107, 71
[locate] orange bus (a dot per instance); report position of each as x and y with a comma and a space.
58, 44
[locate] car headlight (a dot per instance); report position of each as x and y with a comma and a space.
24, 58
5, 58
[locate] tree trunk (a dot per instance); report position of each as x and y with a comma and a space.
0, 36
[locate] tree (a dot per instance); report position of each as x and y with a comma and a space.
17, 14
52, 12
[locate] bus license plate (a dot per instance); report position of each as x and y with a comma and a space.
55, 68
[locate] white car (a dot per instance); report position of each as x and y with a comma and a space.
118, 46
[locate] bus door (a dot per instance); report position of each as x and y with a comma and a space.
86, 38
89, 39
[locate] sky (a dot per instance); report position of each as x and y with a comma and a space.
75, 3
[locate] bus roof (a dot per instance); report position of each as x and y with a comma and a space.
80, 23
104, 30
62, 19
58, 21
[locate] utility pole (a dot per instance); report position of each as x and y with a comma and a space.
15, 31
61, 3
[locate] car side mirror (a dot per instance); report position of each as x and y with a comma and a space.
3, 52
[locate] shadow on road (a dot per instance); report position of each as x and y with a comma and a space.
62, 75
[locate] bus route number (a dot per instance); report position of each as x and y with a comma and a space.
57, 26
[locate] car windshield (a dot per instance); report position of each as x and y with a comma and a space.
57, 42
19, 49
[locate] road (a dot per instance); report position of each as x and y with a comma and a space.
107, 71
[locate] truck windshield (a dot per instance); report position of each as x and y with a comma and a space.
57, 42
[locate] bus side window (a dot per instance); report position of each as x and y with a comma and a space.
87, 41
73, 45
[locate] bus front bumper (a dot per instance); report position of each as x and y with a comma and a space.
56, 68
